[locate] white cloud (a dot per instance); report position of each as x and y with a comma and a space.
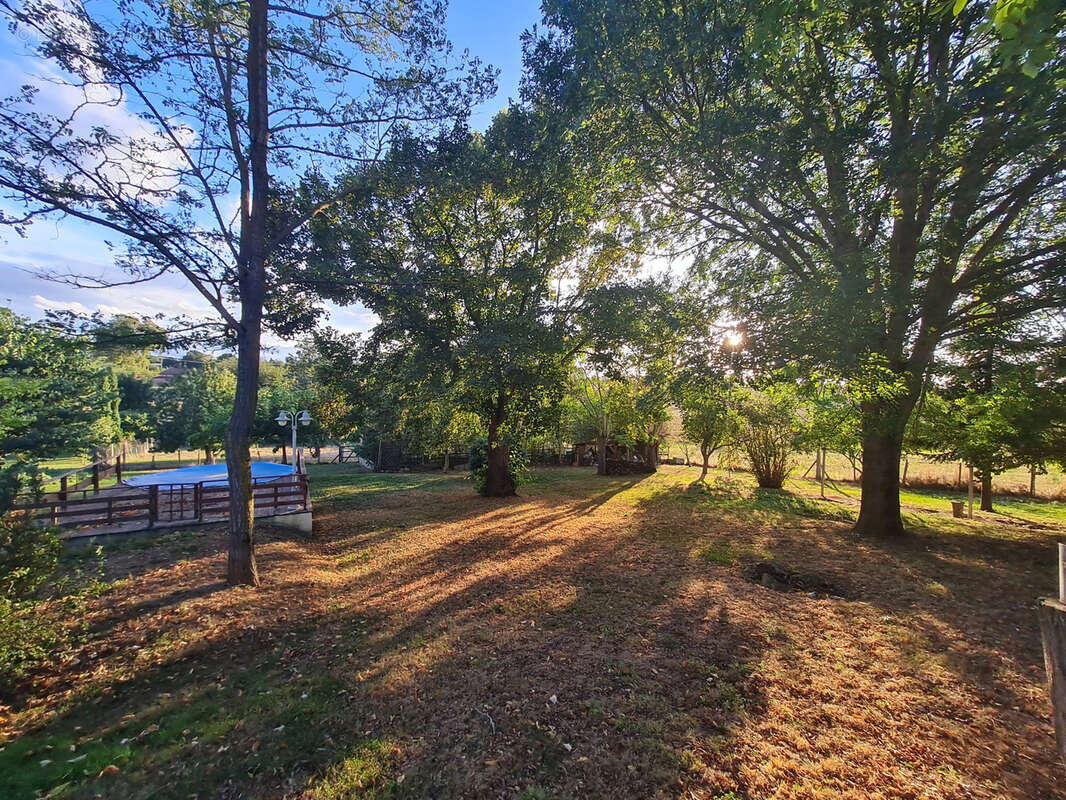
46, 304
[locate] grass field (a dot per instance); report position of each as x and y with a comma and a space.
594, 637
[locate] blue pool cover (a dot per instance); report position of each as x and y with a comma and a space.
209, 475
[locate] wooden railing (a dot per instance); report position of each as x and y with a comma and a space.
169, 503
86, 480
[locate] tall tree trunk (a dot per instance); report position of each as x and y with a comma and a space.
251, 270
882, 447
498, 482
241, 567
705, 451
986, 490
209, 455
601, 455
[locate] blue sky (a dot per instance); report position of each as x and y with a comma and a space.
489, 30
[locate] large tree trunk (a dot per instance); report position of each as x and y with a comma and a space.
209, 455
498, 482
882, 446
986, 490
601, 455
241, 567
251, 270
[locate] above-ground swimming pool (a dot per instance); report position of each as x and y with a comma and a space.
209, 475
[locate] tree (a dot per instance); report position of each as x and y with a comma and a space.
125, 343
483, 257
641, 414
223, 101
770, 431
1012, 424
193, 411
855, 175
834, 421
55, 398
708, 417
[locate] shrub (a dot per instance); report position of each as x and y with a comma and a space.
28, 559
28, 556
26, 639
770, 432
20, 480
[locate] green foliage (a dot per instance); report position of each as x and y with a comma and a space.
55, 396
517, 472
850, 174
1026, 29
485, 258
1017, 423
708, 415
770, 430
194, 410
20, 479
28, 556
25, 640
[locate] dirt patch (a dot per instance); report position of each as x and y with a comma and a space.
782, 578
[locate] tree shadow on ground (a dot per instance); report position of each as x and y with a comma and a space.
553, 645
486, 656
947, 602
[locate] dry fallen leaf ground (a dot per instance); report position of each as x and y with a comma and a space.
594, 637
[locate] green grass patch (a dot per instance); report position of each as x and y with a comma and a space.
726, 554
337, 488
364, 774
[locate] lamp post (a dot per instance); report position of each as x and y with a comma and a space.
293, 418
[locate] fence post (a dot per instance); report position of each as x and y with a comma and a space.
1052, 615
198, 500
63, 488
153, 505
118, 467
96, 476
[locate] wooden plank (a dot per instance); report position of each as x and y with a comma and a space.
82, 502
1053, 633
1062, 573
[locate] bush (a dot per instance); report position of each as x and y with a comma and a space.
41, 613
479, 465
20, 480
770, 432
28, 556
26, 639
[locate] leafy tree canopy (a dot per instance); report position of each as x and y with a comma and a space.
859, 178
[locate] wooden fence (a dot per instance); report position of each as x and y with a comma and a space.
85, 479
168, 504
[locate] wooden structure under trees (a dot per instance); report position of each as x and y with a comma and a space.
621, 459
84, 509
